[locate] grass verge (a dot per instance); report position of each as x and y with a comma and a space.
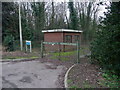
20, 57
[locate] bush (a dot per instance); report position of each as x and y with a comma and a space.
9, 43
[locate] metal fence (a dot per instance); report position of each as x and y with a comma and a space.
35, 45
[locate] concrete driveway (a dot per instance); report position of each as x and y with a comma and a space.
30, 74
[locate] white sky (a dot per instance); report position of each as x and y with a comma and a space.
102, 9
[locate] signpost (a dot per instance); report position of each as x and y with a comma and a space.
62, 43
28, 43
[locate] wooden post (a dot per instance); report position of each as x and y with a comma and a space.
41, 49
78, 52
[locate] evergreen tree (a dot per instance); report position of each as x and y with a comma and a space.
9, 19
38, 18
106, 47
73, 16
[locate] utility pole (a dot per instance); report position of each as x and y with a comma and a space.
20, 28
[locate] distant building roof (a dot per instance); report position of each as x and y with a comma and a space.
62, 30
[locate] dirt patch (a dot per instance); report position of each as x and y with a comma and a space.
84, 75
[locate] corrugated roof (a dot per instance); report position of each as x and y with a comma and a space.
62, 30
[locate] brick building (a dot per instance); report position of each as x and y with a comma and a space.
61, 35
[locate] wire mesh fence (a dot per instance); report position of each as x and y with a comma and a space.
17, 53
51, 51
35, 46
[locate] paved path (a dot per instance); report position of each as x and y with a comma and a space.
30, 74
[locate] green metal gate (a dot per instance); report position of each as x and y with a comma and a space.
62, 43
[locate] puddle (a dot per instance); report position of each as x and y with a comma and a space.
50, 67
12, 74
26, 79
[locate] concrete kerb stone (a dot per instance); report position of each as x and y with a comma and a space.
66, 76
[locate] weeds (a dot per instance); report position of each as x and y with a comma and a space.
110, 80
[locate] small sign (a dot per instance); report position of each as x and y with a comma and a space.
28, 43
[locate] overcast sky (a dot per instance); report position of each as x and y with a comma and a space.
101, 8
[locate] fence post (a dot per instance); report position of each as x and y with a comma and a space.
78, 52
26, 46
59, 50
41, 49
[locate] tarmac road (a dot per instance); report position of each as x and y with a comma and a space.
30, 74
